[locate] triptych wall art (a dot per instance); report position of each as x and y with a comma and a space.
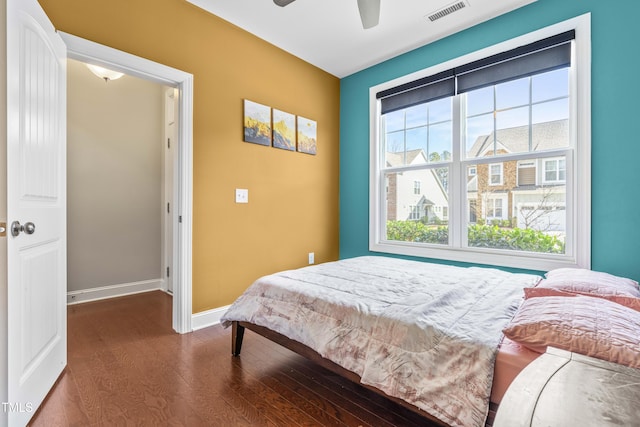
272, 127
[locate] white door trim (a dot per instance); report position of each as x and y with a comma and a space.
94, 53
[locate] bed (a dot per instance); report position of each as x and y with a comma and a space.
427, 336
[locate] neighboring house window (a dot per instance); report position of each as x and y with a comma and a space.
494, 208
555, 170
495, 174
414, 212
526, 173
507, 112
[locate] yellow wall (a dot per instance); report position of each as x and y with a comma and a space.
293, 197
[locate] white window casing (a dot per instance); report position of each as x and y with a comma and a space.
577, 159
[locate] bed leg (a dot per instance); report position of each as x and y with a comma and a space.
237, 333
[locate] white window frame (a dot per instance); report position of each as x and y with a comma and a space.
417, 187
491, 174
557, 180
414, 212
489, 206
578, 239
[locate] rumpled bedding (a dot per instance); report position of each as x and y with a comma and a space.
425, 333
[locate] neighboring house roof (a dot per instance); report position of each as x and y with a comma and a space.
397, 159
547, 136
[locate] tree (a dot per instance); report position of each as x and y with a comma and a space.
537, 216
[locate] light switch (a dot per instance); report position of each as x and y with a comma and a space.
242, 195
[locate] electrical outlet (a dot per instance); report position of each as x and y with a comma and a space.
242, 195
312, 258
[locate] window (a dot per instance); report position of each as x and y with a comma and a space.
414, 213
526, 173
416, 187
494, 208
555, 170
488, 140
495, 174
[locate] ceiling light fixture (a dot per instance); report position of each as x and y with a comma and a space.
104, 73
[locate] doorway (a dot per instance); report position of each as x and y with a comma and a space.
94, 53
117, 169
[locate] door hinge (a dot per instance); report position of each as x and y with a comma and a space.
3, 229
168, 210
180, 218
167, 271
168, 143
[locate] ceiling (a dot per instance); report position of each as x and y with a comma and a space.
329, 33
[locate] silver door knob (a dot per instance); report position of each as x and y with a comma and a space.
17, 228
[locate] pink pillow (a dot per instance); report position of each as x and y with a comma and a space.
630, 302
582, 281
591, 326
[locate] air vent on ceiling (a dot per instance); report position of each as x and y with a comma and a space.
446, 11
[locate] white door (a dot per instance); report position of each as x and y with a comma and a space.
36, 198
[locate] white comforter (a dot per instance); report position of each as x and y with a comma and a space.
425, 333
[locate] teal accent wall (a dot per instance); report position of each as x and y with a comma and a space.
615, 178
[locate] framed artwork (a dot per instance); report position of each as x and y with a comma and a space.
307, 135
284, 130
257, 123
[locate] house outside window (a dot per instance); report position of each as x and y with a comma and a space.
498, 149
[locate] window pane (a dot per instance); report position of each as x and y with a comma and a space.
550, 111
394, 121
416, 116
512, 94
510, 217
550, 85
550, 170
495, 174
440, 110
417, 146
513, 131
394, 148
479, 135
555, 170
419, 217
480, 101
440, 142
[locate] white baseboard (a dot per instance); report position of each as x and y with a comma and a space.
207, 318
112, 291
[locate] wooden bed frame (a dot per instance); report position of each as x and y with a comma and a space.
237, 335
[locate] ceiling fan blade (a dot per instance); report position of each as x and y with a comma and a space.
369, 12
283, 3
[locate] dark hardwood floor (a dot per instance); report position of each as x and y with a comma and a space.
126, 366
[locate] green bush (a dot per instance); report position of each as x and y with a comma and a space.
416, 231
480, 236
520, 239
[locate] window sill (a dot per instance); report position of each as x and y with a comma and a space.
491, 257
